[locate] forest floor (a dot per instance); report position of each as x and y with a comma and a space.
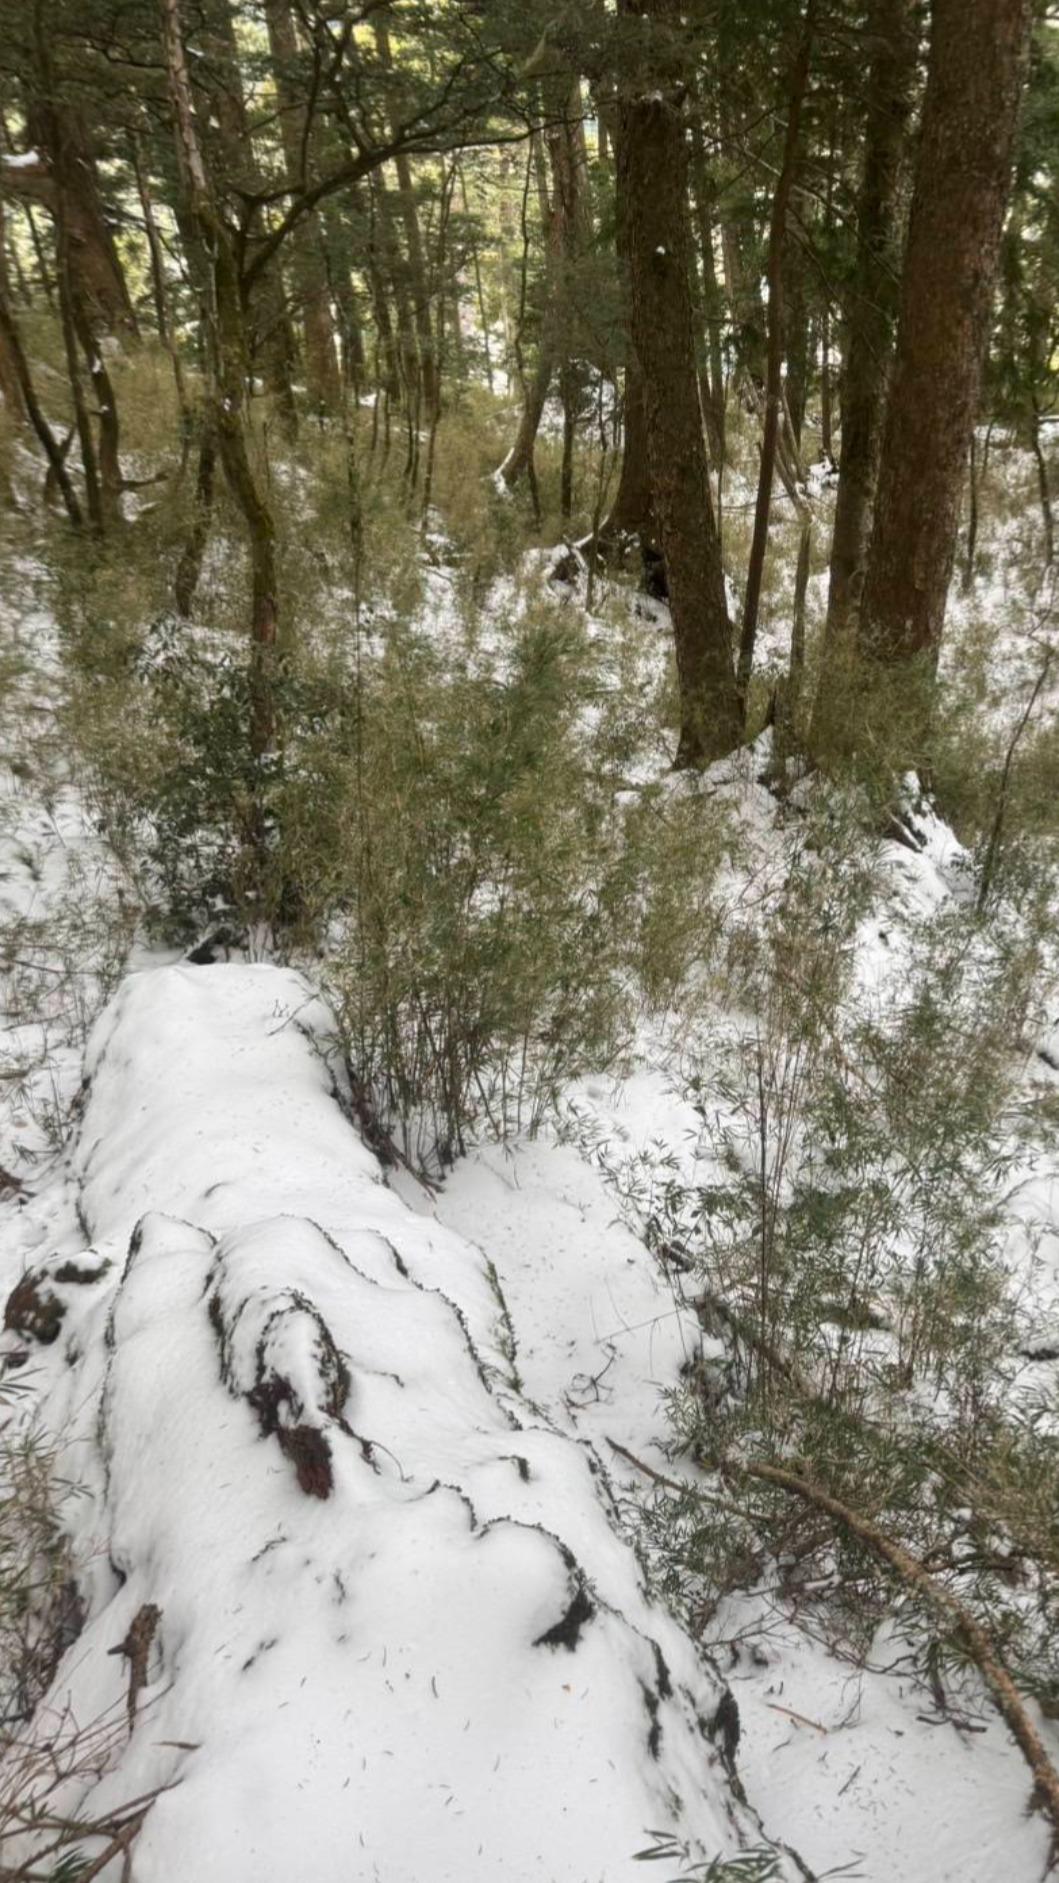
336, 1448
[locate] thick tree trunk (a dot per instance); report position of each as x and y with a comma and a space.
872, 304
977, 55
66, 170
652, 157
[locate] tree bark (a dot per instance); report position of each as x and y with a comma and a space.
775, 349
228, 361
417, 268
10, 376
563, 221
977, 56
872, 305
653, 164
632, 512
224, 131
12, 341
309, 258
66, 169
158, 289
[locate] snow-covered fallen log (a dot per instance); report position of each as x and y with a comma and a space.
353, 1603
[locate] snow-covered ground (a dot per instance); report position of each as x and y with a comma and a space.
357, 1593
394, 1629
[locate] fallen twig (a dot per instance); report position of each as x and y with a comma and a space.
970, 1632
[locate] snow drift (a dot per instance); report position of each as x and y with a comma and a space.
355, 1602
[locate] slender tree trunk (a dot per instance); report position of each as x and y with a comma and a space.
774, 367
826, 413
228, 367
419, 287
12, 341
872, 305
224, 131
977, 56
975, 474
632, 513
712, 300
158, 290
1043, 483
563, 223
82, 421
189, 568
10, 377
307, 244
653, 162
796, 339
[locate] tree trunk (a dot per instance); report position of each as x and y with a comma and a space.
158, 289
872, 304
977, 55
67, 170
563, 222
225, 130
228, 359
189, 568
712, 301
653, 164
309, 258
631, 513
417, 269
11, 390
774, 364
11, 340
797, 327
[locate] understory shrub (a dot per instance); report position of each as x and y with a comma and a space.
444, 830
840, 1225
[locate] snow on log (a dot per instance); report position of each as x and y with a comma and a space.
357, 1604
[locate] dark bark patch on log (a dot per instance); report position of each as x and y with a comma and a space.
80, 1275
654, 1734
34, 1311
309, 1450
567, 1631
665, 1684
136, 1649
725, 1728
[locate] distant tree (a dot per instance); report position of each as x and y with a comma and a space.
653, 161
962, 178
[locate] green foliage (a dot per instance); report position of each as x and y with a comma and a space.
844, 1237
485, 953
38, 1599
